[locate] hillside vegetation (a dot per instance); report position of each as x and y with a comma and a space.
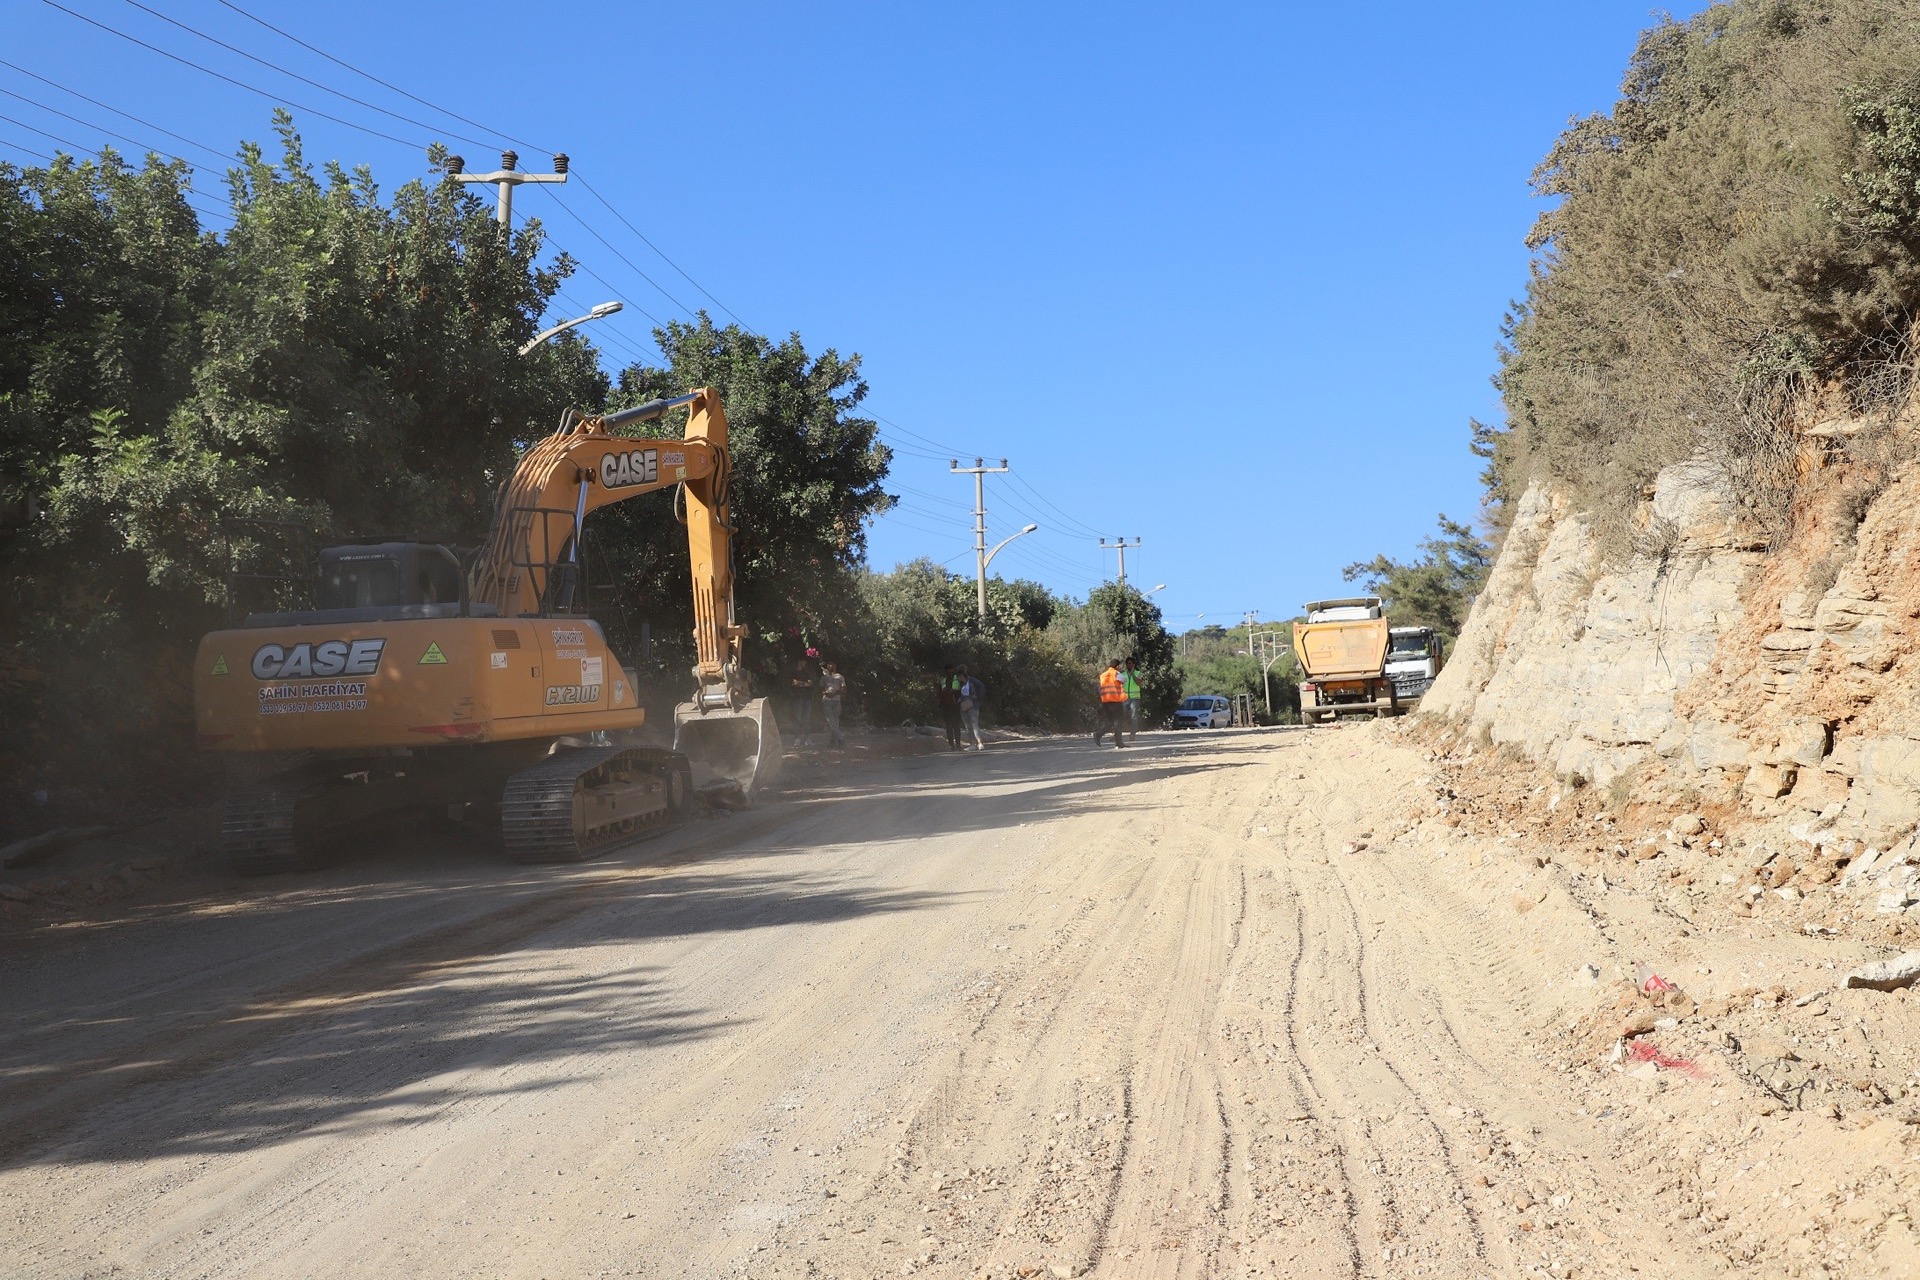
1731, 253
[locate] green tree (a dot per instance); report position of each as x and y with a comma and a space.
1118, 621
1217, 660
333, 357
1436, 590
921, 617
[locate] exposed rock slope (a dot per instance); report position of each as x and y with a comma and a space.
1779, 683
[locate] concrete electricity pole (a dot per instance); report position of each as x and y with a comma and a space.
980, 471
1267, 647
506, 177
1120, 545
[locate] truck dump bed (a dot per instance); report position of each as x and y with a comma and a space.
1341, 640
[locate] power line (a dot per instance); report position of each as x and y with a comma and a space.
186, 193
592, 231
555, 245
946, 450
1020, 480
187, 62
910, 451
657, 249
367, 75
87, 124
219, 155
603, 333
37, 155
294, 75
931, 497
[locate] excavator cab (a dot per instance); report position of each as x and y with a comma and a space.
380, 575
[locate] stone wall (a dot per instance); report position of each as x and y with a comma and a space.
1704, 669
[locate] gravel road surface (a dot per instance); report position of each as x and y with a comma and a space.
1041, 1010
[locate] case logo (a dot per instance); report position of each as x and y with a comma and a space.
328, 658
636, 466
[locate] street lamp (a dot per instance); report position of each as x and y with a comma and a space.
987, 559
1161, 587
600, 312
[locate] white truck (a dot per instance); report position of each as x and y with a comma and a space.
1413, 660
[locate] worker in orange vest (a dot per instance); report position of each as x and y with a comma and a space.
1113, 705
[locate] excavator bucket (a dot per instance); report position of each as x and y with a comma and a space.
740, 747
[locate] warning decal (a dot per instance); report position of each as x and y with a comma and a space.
219, 666
433, 657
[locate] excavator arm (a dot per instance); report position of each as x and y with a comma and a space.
531, 560
530, 565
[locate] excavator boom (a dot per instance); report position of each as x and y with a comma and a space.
530, 558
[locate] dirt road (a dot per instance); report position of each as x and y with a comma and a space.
1208, 1007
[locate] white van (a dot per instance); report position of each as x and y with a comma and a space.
1203, 711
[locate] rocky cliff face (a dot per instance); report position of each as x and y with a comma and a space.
1781, 685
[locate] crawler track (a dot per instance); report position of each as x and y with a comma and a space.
581, 799
270, 825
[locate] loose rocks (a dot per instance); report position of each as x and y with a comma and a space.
1887, 975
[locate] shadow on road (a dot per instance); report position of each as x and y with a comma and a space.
170, 1029
389, 1037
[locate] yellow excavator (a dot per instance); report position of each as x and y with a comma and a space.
419, 681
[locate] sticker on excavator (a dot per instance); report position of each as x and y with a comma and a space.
303, 699
433, 657
219, 666
570, 695
593, 671
499, 662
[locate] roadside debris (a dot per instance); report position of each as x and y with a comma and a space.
1887, 975
1646, 1051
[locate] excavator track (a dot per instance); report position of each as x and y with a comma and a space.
271, 825
580, 801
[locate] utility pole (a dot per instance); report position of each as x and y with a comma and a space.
1120, 545
980, 471
507, 177
1267, 647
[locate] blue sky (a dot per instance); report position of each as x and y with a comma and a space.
1227, 280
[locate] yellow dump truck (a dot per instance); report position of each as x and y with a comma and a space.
1342, 649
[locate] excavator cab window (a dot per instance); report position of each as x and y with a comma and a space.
360, 582
438, 581
388, 575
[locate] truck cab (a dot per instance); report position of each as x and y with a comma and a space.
1413, 660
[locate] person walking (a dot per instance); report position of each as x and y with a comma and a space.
1113, 705
802, 690
947, 693
973, 692
1131, 680
833, 687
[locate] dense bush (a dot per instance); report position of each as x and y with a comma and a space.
1733, 249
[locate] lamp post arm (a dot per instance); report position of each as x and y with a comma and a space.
1004, 541
544, 334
